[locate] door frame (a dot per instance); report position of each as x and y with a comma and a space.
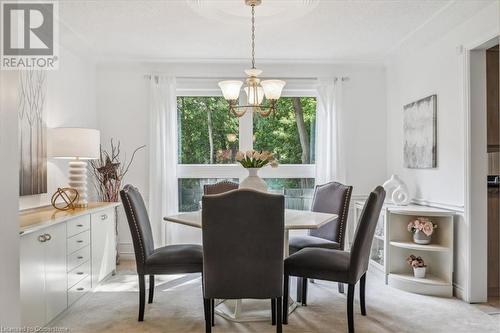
478, 263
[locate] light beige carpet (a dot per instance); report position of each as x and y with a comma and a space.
178, 307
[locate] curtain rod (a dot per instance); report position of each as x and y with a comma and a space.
342, 78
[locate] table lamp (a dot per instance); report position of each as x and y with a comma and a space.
79, 145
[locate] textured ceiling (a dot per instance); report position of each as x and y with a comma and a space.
316, 30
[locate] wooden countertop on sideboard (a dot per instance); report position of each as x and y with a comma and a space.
38, 218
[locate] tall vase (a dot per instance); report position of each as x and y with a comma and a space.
253, 181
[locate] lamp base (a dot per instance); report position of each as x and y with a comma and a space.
78, 181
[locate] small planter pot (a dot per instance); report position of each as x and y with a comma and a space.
419, 272
420, 238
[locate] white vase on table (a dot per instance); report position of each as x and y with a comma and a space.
253, 181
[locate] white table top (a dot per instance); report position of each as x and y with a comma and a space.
294, 219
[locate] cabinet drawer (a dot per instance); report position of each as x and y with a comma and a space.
78, 225
79, 257
79, 241
78, 290
78, 274
104, 216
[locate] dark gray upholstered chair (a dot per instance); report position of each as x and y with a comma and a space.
243, 234
333, 198
340, 266
220, 187
171, 259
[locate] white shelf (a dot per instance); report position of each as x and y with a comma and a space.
429, 279
414, 246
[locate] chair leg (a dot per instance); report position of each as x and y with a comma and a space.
286, 294
362, 285
273, 311
304, 291
341, 288
142, 296
208, 316
212, 311
350, 306
151, 288
299, 289
279, 315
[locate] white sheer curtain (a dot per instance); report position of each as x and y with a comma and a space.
330, 157
162, 154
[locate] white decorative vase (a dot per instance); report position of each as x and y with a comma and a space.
253, 181
397, 191
419, 237
419, 272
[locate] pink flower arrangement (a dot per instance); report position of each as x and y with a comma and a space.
422, 224
415, 262
256, 159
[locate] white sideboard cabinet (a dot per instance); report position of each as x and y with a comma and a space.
63, 255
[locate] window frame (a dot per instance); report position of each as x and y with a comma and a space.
204, 87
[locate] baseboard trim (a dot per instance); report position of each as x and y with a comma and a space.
459, 292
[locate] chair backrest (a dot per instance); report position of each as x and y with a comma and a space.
363, 238
138, 222
220, 187
243, 234
333, 198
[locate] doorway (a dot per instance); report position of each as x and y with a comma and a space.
482, 176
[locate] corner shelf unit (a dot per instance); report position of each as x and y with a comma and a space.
393, 243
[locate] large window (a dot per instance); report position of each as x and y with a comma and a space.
209, 137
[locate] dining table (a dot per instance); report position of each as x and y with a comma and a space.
294, 220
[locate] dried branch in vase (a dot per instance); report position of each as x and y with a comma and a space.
108, 172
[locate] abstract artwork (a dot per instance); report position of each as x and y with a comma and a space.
32, 133
420, 133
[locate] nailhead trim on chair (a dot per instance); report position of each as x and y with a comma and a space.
136, 227
346, 203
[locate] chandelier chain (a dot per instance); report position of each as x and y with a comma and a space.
253, 36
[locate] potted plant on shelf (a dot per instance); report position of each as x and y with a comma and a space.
422, 229
418, 265
253, 160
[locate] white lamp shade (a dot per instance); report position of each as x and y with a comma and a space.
251, 95
72, 142
273, 88
230, 89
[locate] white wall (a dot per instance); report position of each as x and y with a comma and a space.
70, 102
9, 169
437, 67
122, 108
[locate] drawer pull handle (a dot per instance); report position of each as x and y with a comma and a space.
42, 238
79, 241
104, 216
79, 225
48, 237
79, 257
80, 289
79, 273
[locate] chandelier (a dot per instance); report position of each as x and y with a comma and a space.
255, 89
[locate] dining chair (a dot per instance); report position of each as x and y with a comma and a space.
332, 198
220, 187
340, 266
243, 235
170, 259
